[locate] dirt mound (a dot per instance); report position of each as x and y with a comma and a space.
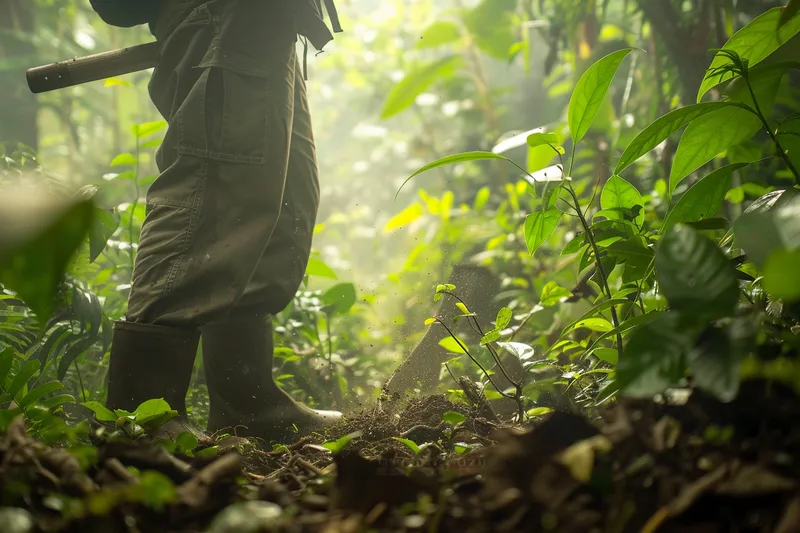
670, 467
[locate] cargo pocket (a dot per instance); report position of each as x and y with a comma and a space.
226, 115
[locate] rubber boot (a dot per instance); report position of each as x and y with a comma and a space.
148, 362
238, 354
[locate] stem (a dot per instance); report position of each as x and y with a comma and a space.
600, 269
477, 363
769, 130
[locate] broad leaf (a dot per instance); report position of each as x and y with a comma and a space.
148, 128
521, 351
415, 83
708, 136
101, 412
694, 275
765, 80
104, 225
6, 360
780, 274
553, 293
22, 377
123, 160
405, 217
791, 10
437, 34
451, 345
715, 361
704, 199
760, 233
662, 128
654, 358
317, 267
542, 139
491, 24
453, 418
591, 91
339, 299
37, 241
618, 193
539, 226
754, 43
503, 318
40, 392
410, 444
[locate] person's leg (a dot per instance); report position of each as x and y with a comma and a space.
238, 350
212, 210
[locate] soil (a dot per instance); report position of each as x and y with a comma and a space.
690, 466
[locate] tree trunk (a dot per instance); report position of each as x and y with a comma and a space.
18, 108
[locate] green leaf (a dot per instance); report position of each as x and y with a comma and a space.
662, 128
708, 136
694, 275
39, 392
539, 226
492, 26
101, 412
490, 336
451, 345
56, 401
453, 418
654, 358
123, 159
341, 443
103, 227
765, 80
618, 193
453, 159
340, 298
754, 43
437, 34
23, 376
186, 441
6, 360
538, 411
704, 199
715, 361
405, 217
609, 355
148, 128
521, 351
415, 83
503, 318
761, 232
154, 412
410, 444
595, 324
37, 241
540, 139
317, 267
780, 274
553, 293
790, 11
591, 91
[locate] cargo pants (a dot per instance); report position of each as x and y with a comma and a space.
230, 218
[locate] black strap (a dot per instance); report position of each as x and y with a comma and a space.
330, 7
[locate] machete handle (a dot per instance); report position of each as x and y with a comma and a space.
92, 68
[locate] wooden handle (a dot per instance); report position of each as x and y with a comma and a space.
92, 68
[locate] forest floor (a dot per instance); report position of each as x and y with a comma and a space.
696, 466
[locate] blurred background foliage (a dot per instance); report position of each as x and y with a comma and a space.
410, 81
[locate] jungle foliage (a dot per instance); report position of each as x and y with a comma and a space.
642, 216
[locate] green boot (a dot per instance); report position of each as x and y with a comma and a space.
237, 355
148, 362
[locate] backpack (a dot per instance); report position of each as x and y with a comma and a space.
126, 13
